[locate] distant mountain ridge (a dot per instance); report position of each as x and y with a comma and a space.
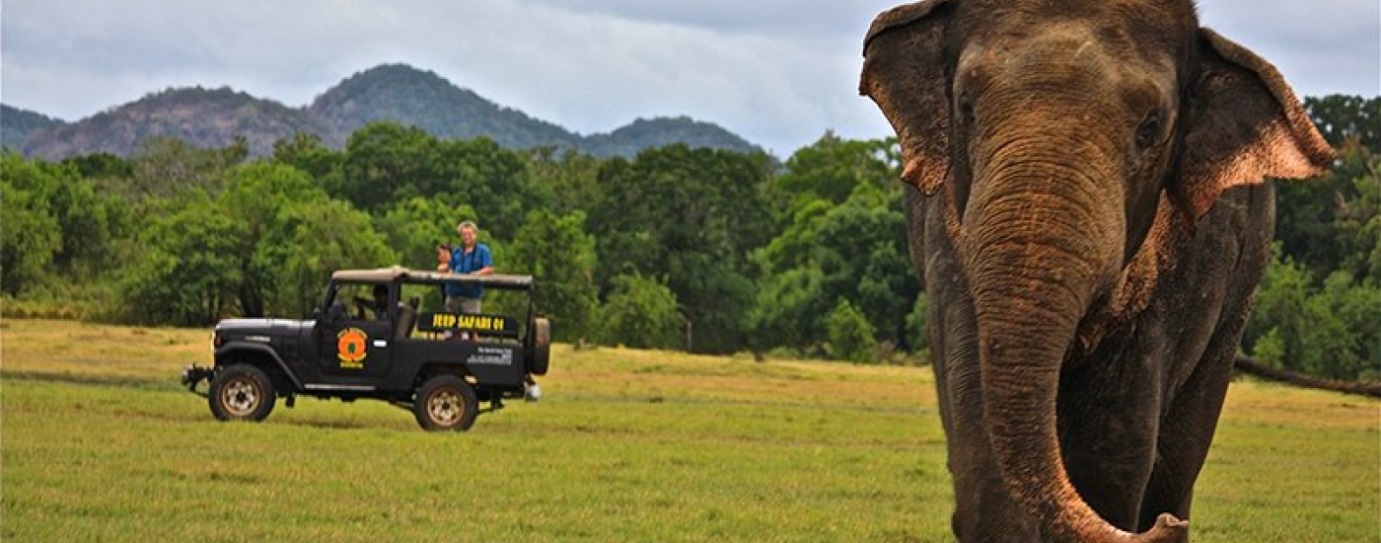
389, 92
16, 124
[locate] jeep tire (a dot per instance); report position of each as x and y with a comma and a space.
541, 347
241, 392
445, 402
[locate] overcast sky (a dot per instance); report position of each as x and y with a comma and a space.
777, 72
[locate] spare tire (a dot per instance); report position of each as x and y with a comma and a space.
540, 357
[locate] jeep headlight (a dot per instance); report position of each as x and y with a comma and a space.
216, 340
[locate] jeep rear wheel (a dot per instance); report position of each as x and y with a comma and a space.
241, 392
541, 347
445, 402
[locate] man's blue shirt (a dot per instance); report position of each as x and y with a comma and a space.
461, 262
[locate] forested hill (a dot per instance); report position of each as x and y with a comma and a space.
644, 133
391, 92
16, 125
208, 118
399, 93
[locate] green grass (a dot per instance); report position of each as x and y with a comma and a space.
98, 443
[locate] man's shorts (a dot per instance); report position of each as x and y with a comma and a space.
456, 304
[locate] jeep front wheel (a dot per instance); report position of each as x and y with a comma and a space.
241, 392
445, 402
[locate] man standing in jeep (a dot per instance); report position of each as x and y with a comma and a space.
471, 257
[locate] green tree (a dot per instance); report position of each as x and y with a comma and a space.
854, 251
561, 255
830, 168
87, 221
308, 153
308, 242
492, 180
571, 178
850, 334
692, 216
165, 167
1341, 118
189, 273
789, 311
101, 165
641, 313
1358, 218
1330, 331
265, 246
415, 226
1357, 307
385, 162
260, 197
29, 233
1323, 222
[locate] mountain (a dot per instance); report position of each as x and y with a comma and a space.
400, 93
201, 117
16, 125
662, 131
389, 92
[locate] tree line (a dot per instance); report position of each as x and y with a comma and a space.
680, 248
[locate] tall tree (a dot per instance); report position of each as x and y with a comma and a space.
385, 162
641, 312
494, 181
561, 255
842, 239
29, 232
189, 272
307, 152
571, 177
87, 220
830, 168
1341, 117
691, 216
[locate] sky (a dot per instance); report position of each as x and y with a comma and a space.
779, 73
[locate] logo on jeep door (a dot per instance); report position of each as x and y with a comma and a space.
350, 344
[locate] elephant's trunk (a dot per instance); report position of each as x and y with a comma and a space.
1042, 242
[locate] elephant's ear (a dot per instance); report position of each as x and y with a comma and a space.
1244, 126
904, 73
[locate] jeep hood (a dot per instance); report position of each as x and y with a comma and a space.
264, 326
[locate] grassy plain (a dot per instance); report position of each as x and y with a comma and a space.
99, 443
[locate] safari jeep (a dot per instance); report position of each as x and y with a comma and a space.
372, 339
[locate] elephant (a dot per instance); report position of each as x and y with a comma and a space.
1089, 212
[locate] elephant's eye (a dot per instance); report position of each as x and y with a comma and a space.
1149, 131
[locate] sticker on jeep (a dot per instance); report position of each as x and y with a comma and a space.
494, 356
350, 348
488, 324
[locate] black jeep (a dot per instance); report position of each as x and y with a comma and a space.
370, 339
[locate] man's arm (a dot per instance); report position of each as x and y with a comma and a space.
486, 261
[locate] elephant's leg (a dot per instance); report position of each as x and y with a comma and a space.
1108, 415
1186, 432
984, 508
1221, 271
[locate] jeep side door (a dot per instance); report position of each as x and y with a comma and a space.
355, 342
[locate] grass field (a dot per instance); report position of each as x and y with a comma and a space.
99, 443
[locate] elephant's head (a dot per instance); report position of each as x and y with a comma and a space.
1058, 131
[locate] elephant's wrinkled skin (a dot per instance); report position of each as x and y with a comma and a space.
1089, 214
